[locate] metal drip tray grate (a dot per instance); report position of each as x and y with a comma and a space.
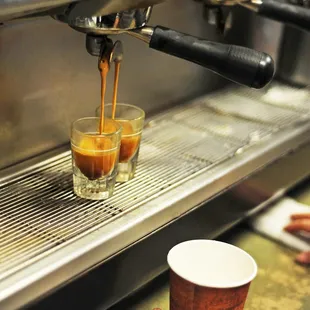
40, 215
40, 211
292, 98
252, 109
234, 129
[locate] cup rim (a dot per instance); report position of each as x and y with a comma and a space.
142, 116
247, 280
118, 126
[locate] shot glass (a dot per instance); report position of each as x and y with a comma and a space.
208, 274
95, 157
131, 118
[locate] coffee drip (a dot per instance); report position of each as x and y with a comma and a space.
104, 70
115, 89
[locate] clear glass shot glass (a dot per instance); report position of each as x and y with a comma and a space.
95, 157
131, 118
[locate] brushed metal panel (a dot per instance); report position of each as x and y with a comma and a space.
48, 79
294, 66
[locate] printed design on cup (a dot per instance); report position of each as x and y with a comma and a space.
186, 295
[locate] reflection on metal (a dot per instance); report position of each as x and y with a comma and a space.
10, 9
278, 94
251, 109
294, 66
52, 235
109, 24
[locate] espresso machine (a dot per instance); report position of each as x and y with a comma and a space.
217, 137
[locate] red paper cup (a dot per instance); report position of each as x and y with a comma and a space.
207, 274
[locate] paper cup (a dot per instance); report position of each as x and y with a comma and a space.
207, 274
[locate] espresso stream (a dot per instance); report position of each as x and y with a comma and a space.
104, 69
115, 89
129, 143
95, 156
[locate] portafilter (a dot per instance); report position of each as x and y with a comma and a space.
236, 63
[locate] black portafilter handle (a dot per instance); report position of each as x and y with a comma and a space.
293, 15
236, 63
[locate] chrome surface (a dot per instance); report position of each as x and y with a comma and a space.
277, 40
219, 13
112, 52
251, 109
49, 235
10, 9
108, 24
143, 34
293, 66
107, 7
103, 47
278, 94
252, 5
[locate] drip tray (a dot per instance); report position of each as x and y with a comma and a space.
188, 155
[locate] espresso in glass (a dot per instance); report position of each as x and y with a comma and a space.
131, 118
95, 157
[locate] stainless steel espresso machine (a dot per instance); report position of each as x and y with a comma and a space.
212, 150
